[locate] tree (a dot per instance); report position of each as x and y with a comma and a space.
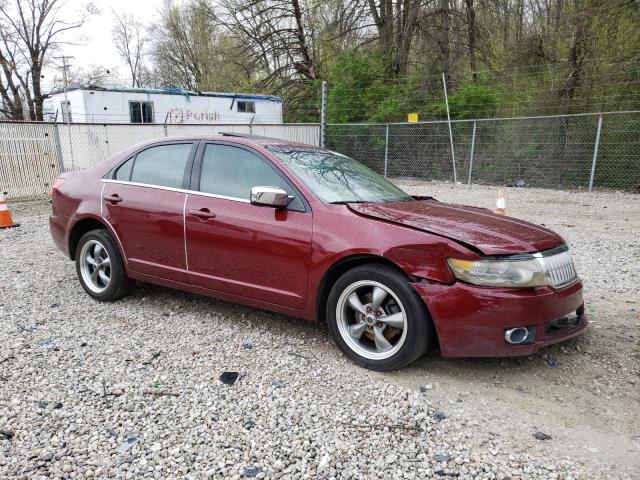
190, 50
472, 34
276, 34
33, 28
88, 77
130, 38
10, 84
395, 30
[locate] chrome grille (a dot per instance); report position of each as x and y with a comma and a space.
560, 269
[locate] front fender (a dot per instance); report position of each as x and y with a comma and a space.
428, 260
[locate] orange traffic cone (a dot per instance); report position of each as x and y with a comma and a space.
5, 215
501, 204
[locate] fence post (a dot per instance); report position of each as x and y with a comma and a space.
453, 155
323, 114
56, 140
386, 151
595, 153
473, 148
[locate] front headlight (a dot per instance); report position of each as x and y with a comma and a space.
503, 272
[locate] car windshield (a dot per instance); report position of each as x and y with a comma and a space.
334, 178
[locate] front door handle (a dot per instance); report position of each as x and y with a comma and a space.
203, 214
115, 198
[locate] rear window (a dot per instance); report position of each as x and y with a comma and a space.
163, 165
124, 171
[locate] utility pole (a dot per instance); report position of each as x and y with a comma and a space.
65, 81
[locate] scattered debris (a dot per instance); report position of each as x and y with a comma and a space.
251, 471
542, 436
106, 393
29, 329
161, 393
278, 384
45, 404
299, 355
442, 473
247, 346
55, 305
439, 415
127, 444
443, 457
48, 344
428, 386
249, 424
6, 359
153, 357
84, 344
6, 434
552, 362
229, 378
391, 426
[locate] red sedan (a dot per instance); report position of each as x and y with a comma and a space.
308, 232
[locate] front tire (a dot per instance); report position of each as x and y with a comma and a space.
377, 319
100, 267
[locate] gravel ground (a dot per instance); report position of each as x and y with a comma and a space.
132, 390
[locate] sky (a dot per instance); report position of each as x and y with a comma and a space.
92, 43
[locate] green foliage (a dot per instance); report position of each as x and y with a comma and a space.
471, 101
360, 89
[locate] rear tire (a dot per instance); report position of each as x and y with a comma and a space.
377, 319
100, 267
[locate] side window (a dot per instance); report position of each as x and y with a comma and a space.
233, 172
124, 171
246, 107
162, 165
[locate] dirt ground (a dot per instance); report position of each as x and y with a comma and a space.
584, 393
589, 402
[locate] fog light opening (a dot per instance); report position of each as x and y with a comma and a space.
516, 336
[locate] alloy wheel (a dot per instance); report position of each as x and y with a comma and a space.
95, 266
371, 319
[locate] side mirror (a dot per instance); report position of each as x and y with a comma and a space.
274, 197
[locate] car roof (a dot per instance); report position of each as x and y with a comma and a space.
238, 139
241, 139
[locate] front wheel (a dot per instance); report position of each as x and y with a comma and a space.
377, 319
100, 267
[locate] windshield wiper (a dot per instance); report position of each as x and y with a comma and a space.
345, 202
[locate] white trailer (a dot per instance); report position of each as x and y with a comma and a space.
171, 106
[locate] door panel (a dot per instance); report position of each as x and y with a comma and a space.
255, 252
149, 223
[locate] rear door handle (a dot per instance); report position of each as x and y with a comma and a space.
203, 214
115, 198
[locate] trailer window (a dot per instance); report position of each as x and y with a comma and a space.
141, 112
247, 107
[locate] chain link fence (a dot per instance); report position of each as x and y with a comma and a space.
32, 155
570, 151
567, 151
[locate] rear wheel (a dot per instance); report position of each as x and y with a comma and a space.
100, 267
377, 319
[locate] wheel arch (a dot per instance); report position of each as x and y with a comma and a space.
83, 226
343, 265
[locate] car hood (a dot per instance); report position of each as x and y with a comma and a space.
478, 227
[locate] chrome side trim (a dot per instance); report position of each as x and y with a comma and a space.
184, 230
101, 200
179, 190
